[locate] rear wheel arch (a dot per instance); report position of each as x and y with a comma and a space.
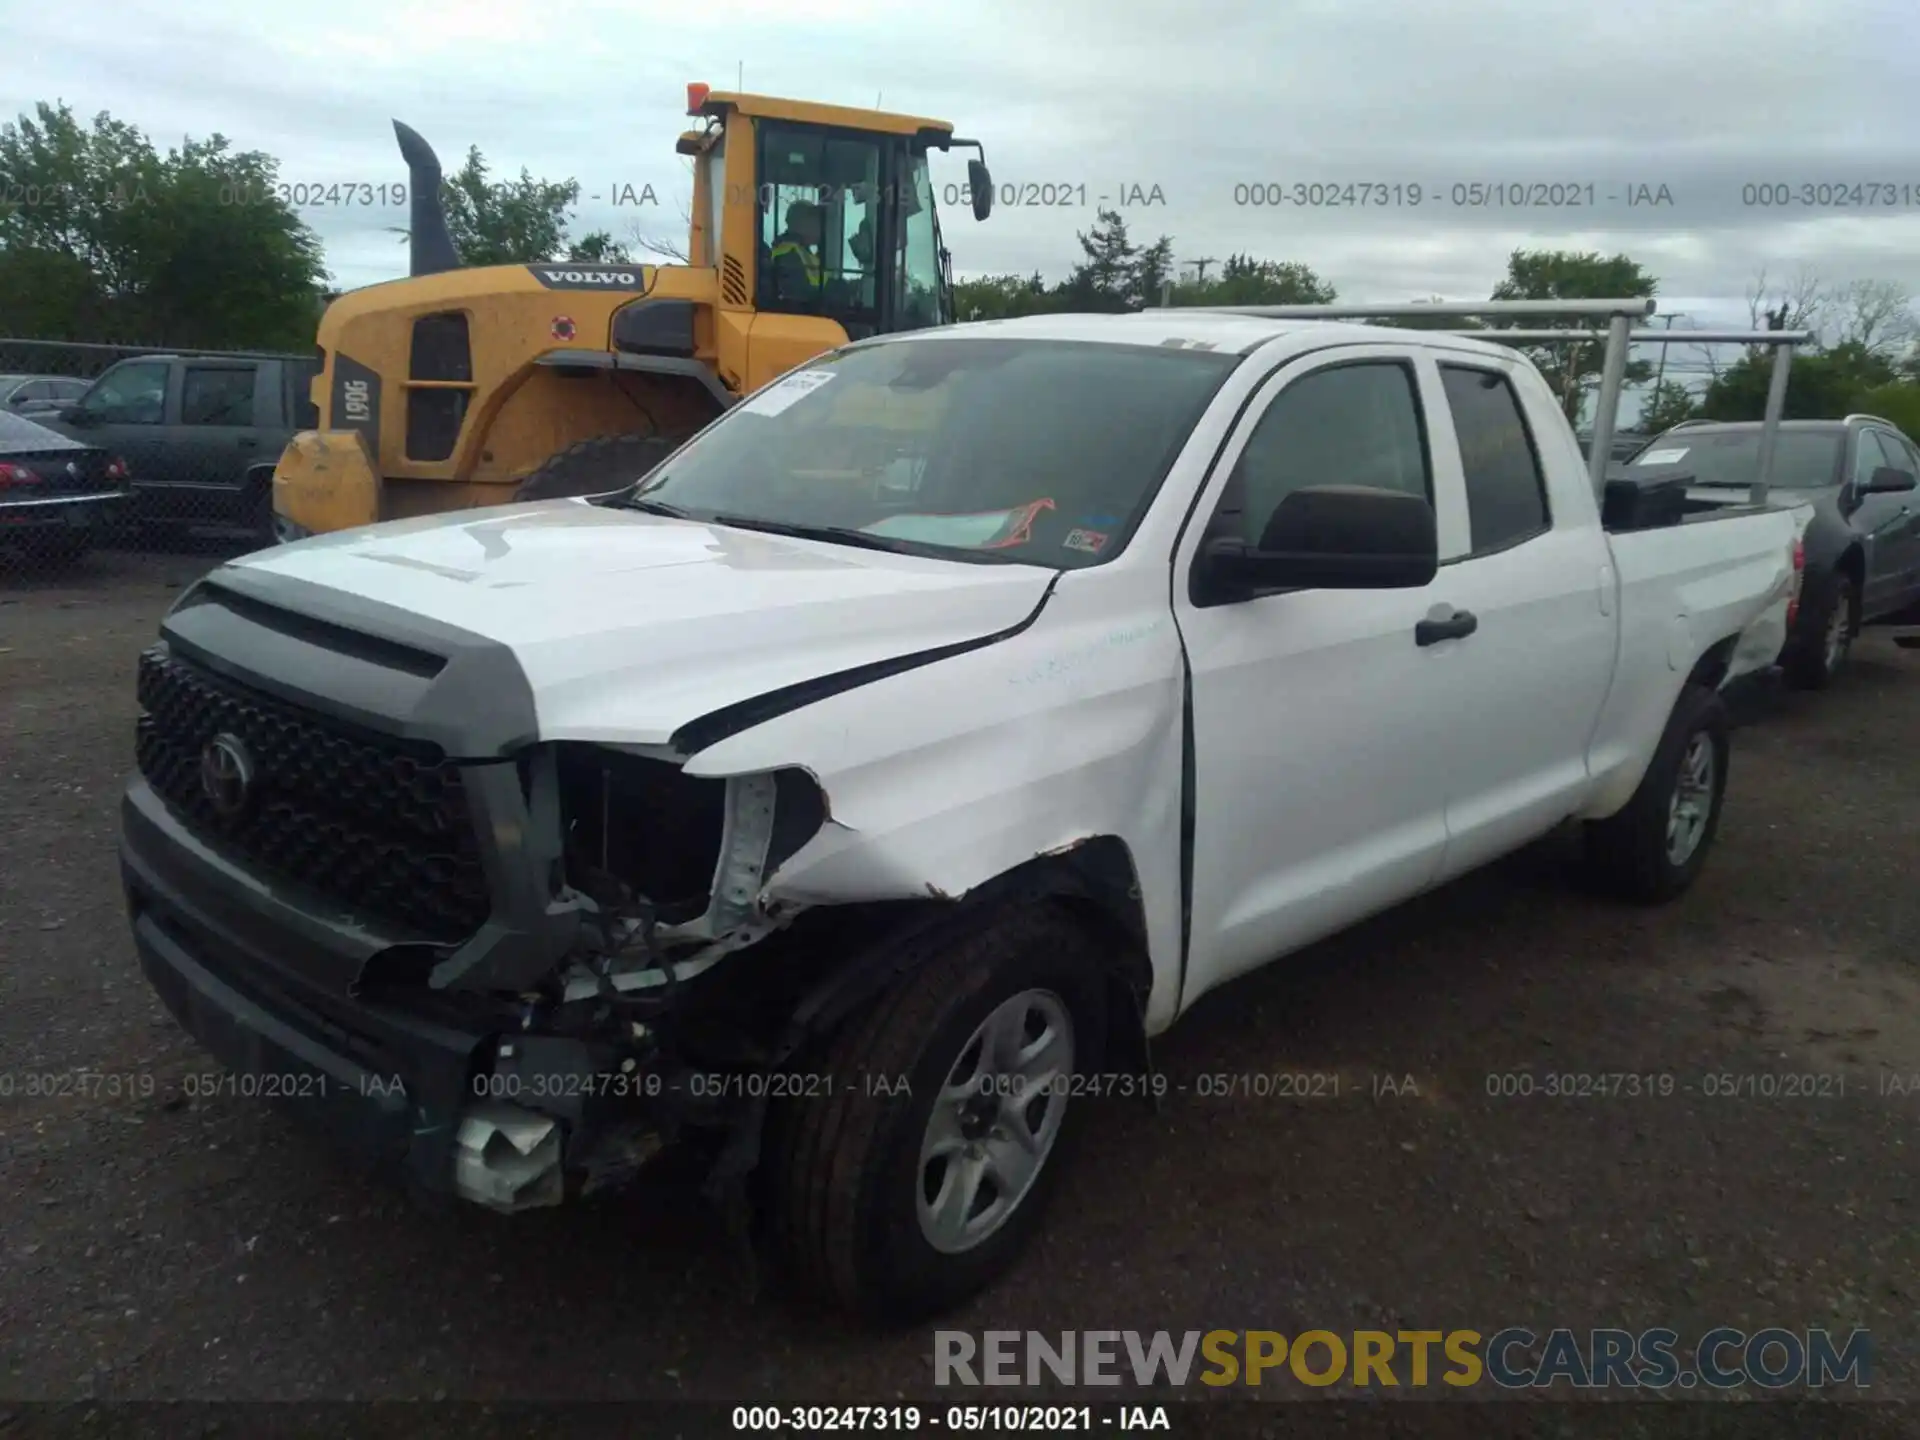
1710, 670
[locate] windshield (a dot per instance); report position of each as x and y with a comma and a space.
1043, 452
1802, 459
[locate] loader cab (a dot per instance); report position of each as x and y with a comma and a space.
861, 209
823, 212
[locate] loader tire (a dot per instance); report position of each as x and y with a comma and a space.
597, 465
1653, 849
852, 1158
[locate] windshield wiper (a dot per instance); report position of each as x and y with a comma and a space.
650, 507
838, 534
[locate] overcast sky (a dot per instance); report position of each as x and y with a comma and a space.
1701, 97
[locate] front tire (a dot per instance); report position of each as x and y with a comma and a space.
916, 1171
597, 465
1657, 845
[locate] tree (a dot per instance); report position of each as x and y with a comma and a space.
1820, 386
1898, 402
1106, 277
1001, 297
1792, 304
1874, 314
103, 238
597, 247
518, 222
1244, 280
1666, 405
1152, 272
1572, 275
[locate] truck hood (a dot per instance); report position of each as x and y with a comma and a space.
627, 626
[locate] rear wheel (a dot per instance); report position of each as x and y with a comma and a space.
1826, 636
597, 465
1654, 848
914, 1172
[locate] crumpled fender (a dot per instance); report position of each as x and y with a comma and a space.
945, 776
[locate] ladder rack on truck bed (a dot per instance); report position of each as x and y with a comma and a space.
1618, 336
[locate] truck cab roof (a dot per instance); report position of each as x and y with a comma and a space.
1214, 330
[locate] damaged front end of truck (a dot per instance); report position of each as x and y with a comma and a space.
511, 969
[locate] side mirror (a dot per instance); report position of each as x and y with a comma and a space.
1888, 481
75, 415
980, 186
1329, 537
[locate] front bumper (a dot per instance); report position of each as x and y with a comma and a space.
444, 1092
265, 983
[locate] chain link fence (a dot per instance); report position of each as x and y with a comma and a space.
114, 448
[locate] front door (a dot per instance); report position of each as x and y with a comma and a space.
1317, 795
124, 414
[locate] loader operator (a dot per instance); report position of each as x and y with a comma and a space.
796, 253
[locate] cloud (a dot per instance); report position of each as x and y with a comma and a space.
1699, 103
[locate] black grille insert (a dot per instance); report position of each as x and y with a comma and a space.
379, 825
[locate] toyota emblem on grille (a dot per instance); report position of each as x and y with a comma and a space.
226, 775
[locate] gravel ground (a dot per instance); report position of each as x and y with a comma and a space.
167, 1247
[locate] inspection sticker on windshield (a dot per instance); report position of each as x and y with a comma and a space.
1091, 541
784, 392
1662, 457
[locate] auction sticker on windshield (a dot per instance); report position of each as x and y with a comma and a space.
1662, 457
786, 391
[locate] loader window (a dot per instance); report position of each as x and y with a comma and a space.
819, 213
917, 278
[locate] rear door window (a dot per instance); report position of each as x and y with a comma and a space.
1506, 491
219, 395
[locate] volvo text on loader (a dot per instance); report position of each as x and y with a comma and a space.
459, 387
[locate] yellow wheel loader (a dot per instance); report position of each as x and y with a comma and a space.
812, 225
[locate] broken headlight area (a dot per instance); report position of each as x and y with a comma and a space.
636, 1039
674, 863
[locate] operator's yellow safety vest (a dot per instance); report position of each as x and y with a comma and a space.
809, 262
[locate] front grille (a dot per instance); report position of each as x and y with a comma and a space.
379, 825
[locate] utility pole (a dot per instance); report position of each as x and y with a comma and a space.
1660, 371
1200, 268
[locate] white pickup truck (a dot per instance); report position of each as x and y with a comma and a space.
858, 792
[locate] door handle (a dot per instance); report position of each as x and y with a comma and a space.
246, 442
1456, 626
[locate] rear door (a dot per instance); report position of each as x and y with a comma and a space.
219, 435
1517, 698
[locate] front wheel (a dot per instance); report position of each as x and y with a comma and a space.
1656, 846
917, 1170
